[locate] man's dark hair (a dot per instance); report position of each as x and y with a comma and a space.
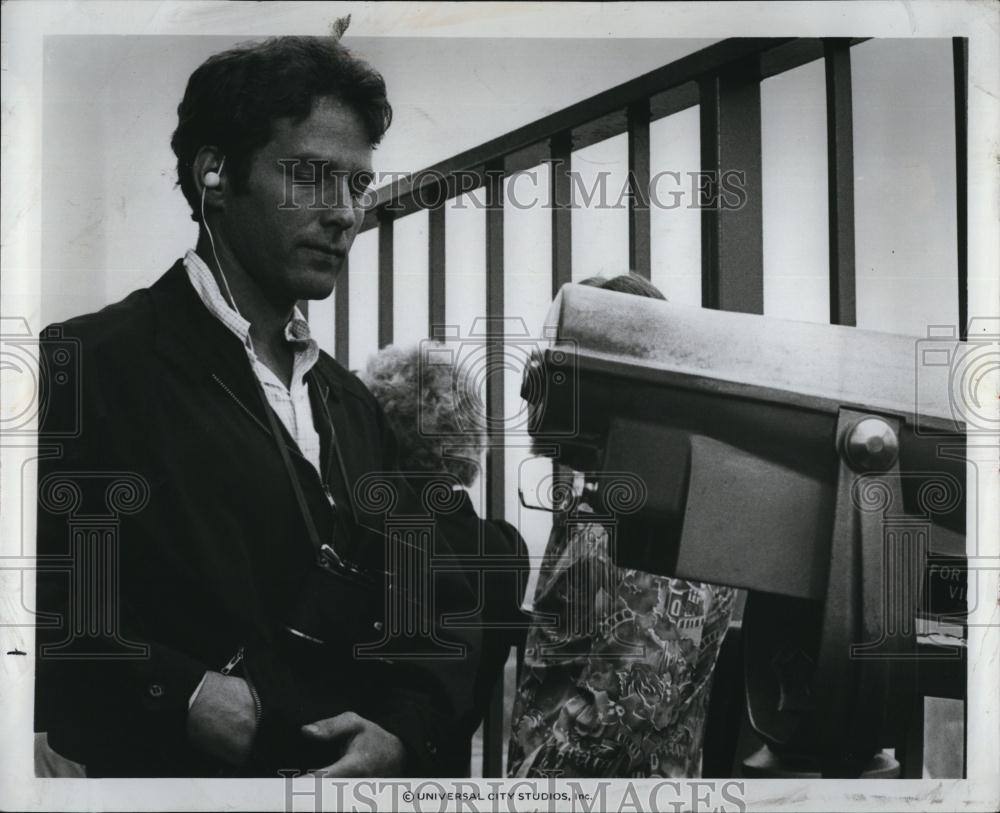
630, 283
233, 98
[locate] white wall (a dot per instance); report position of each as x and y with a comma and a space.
796, 237
904, 172
675, 226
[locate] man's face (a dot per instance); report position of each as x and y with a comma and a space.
290, 247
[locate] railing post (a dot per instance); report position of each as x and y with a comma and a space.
385, 281
560, 195
732, 245
436, 270
493, 733
960, 55
638, 178
960, 58
840, 180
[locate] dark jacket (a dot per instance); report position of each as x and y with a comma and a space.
159, 471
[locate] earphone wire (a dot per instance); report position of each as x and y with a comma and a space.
211, 240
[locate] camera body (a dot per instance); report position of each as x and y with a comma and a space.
729, 421
747, 437
339, 606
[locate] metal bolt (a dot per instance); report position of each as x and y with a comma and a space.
871, 445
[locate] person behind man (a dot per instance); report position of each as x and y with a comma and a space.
439, 420
618, 668
247, 562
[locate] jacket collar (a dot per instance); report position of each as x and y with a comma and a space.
191, 337
193, 340
186, 334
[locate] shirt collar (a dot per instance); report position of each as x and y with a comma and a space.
296, 331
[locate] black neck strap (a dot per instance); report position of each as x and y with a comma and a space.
293, 475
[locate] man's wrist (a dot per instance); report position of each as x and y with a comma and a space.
223, 718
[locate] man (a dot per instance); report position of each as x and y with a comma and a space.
249, 562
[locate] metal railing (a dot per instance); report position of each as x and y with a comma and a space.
724, 79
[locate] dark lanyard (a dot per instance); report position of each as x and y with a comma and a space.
293, 475
325, 553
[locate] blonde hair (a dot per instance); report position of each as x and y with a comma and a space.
431, 407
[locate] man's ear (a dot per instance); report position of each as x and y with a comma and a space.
209, 176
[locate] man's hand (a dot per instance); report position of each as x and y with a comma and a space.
369, 750
222, 719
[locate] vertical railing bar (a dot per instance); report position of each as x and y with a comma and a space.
341, 315
436, 271
638, 174
960, 56
493, 734
840, 181
732, 234
960, 59
960, 75
560, 194
385, 281
708, 92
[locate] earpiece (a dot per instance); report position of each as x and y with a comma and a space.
213, 178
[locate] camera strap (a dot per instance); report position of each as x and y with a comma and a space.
293, 476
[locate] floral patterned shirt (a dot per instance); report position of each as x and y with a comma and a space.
618, 665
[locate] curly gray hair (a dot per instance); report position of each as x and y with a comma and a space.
433, 408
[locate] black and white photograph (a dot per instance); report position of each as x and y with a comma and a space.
500, 406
